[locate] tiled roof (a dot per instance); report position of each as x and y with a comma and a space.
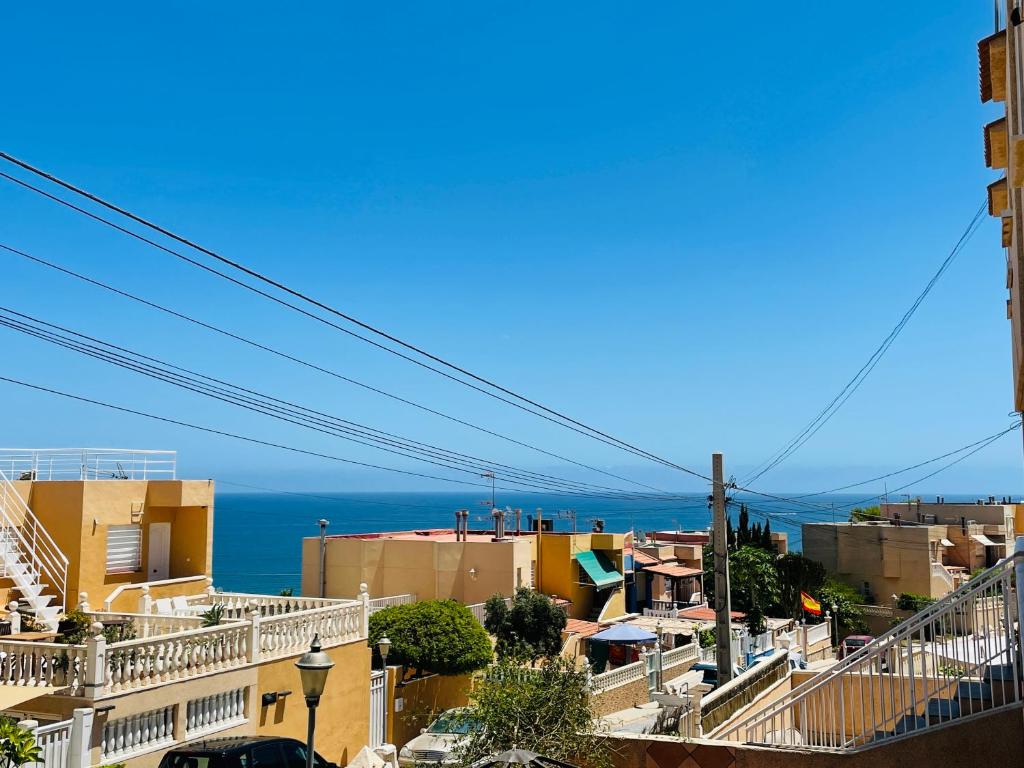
642, 558
582, 628
675, 571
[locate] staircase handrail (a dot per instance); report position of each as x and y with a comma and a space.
42, 550
885, 642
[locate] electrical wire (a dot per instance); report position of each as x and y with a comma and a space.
854, 384
313, 366
530, 406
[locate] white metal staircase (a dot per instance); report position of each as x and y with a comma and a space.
30, 558
958, 659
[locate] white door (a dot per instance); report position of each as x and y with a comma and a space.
158, 554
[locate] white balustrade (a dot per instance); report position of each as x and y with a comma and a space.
679, 655
293, 633
147, 661
380, 603
215, 713
150, 624
43, 664
621, 676
238, 605
136, 734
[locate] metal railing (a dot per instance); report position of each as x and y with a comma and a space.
88, 464
28, 554
957, 659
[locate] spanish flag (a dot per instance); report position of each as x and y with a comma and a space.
810, 604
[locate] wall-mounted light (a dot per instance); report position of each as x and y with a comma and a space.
472, 573
273, 697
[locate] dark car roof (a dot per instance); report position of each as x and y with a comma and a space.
226, 744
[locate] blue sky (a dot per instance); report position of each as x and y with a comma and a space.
688, 226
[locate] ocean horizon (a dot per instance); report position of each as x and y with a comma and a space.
258, 536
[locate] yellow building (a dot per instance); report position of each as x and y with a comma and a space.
999, 64
587, 569
117, 535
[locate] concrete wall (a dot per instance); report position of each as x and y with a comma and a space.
77, 515
635, 692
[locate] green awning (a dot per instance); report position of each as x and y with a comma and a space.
599, 568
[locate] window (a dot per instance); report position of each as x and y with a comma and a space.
266, 755
124, 548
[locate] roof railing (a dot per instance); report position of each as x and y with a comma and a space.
88, 464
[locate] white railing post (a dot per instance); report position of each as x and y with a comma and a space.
79, 751
803, 640
1018, 567
95, 662
14, 617
254, 636
83, 602
364, 605
145, 601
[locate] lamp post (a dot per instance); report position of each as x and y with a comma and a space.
835, 615
313, 667
384, 647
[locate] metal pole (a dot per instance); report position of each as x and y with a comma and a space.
323, 556
310, 728
723, 604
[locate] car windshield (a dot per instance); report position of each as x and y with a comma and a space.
453, 722
856, 643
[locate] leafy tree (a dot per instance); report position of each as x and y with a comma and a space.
797, 574
530, 628
439, 636
862, 514
847, 602
706, 638
743, 532
756, 621
730, 535
753, 580
708, 560
17, 745
546, 710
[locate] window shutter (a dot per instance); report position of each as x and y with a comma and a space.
124, 548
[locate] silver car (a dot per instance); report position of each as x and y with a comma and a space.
436, 743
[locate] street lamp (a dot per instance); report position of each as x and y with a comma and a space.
835, 615
384, 647
313, 667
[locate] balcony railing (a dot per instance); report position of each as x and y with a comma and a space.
957, 659
87, 464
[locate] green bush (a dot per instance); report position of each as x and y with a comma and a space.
78, 632
908, 601
439, 636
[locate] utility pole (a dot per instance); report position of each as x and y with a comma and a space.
723, 605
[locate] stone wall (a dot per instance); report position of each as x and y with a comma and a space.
633, 693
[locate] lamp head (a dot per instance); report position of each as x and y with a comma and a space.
313, 667
384, 646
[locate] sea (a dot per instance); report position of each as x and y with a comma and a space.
258, 536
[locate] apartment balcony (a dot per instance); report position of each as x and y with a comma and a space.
87, 464
203, 679
992, 67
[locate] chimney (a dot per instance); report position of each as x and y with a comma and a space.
458, 525
498, 518
519, 521
465, 525
991, 499
963, 524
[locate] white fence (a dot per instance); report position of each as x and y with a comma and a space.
956, 659
480, 613
54, 742
635, 671
87, 464
378, 709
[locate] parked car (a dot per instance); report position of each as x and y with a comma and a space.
853, 643
436, 742
242, 752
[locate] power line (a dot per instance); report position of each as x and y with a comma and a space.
854, 384
545, 412
312, 366
289, 412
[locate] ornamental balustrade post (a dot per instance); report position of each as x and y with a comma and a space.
253, 645
364, 619
95, 662
83, 602
80, 748
14, 617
